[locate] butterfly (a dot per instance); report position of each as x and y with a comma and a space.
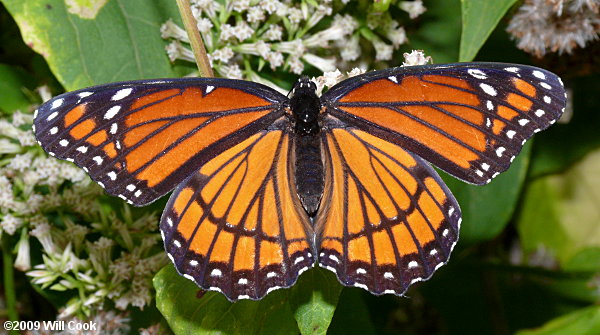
266, 185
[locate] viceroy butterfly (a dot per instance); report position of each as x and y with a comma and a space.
266, 185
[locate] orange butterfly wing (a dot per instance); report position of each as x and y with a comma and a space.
140, 139
468, 119
386, 219
236, 226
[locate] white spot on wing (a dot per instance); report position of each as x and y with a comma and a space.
84, 94
298, 260
413, 264
488, 89
334, 258
177, 244
393, 79
111, 112
489, 105
216, 273
500, 150
485, 166
137, 193
361, 271
512, 69
545, 85
209, 89
53, 130
243, 281
52, 116
547, 99
112, 175
130, 187
121, 94
63, 142
510, 134
57, 103
193, 262
539, 113
113, 128
388, 275
539, 74
433, 252
523, 122
98, 160
271, 274
477, 73
83, 149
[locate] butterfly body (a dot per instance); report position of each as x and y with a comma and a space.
305, 108
266, 186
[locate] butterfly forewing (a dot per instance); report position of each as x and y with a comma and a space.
387, 219
236, 226
140, 139
468, 119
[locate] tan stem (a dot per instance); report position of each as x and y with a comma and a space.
195, 39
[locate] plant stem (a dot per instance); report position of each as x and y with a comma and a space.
195, 39
9, 282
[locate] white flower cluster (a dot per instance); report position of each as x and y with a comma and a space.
73, 262
542, 26
54, 202
243, 36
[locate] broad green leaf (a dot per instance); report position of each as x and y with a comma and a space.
487, 209
560, 212
313, 300
587, 259
12, 83
585, 321
479, 18
306, 308
121, 42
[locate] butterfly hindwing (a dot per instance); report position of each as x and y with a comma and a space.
140, 139
469, 119
236, 226
386, 219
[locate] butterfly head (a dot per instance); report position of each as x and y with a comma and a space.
304, 86
305, 106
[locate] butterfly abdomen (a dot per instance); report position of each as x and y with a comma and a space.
309, 172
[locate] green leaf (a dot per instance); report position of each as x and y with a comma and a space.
313, 299
487, 209
582, 322
306, 308
12, 82
560, 212
479, 18
121, 42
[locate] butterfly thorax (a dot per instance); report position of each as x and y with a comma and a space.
305, 106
